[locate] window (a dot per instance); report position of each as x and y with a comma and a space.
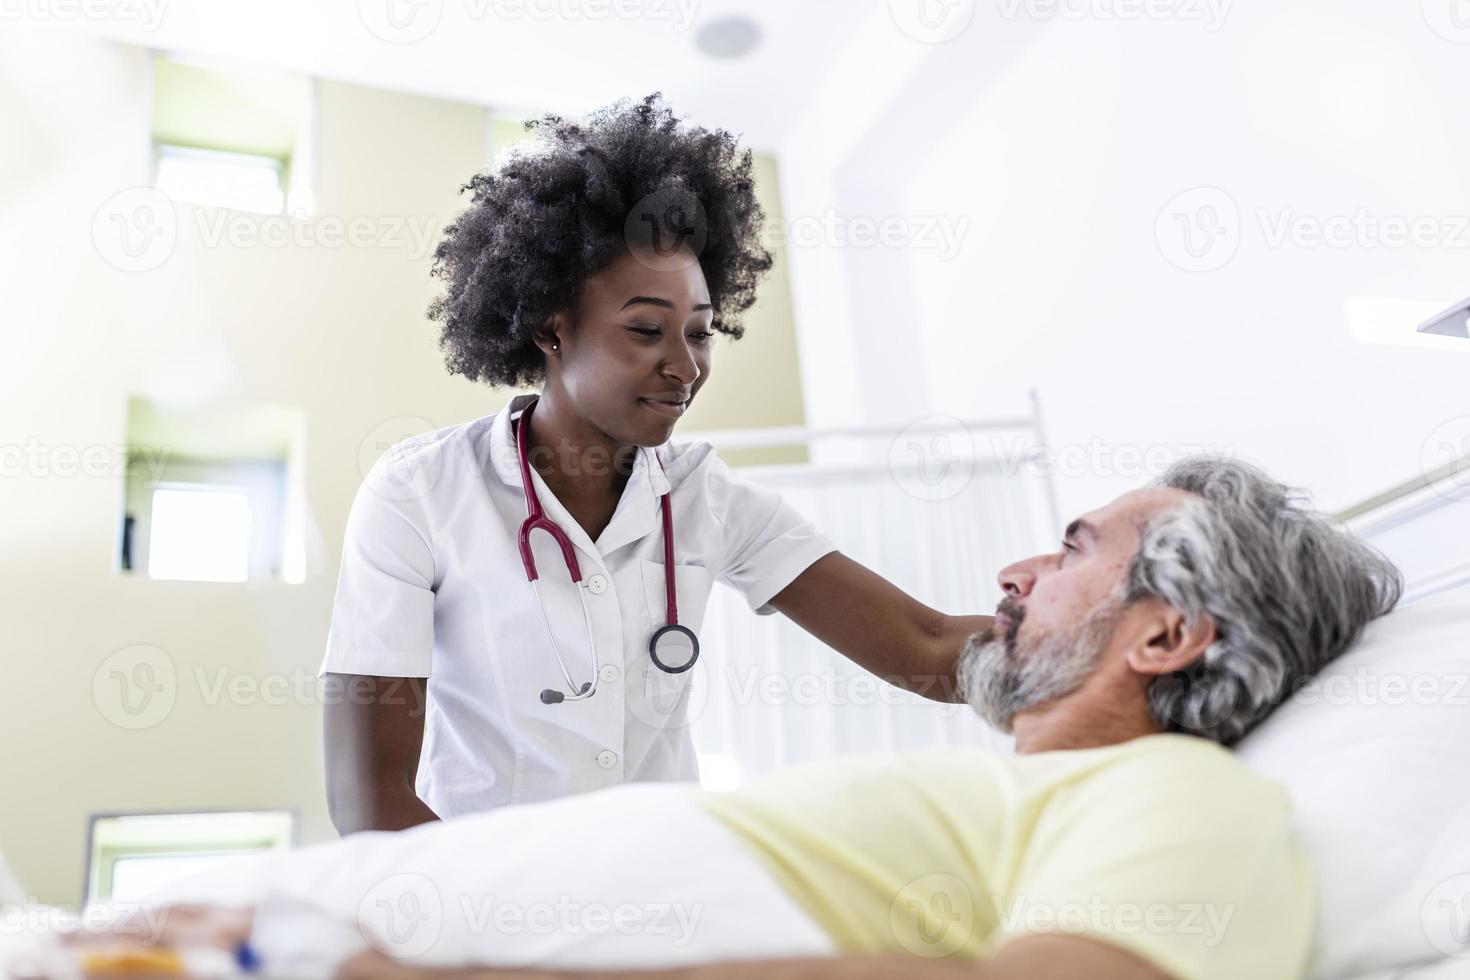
231, 138
215, 178
199, 532
214, 493
136, 876
131, 854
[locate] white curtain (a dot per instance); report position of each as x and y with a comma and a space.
766, 694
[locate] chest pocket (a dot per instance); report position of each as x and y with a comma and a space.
691, 588
660, 696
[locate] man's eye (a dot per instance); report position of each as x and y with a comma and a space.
1068, 548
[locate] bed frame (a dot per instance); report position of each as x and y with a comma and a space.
1423, 526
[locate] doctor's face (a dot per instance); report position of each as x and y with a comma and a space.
1060, 611
639, 347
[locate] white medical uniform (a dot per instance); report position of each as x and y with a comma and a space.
432, 586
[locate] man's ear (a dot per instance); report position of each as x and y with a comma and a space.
550, 336
1168, 643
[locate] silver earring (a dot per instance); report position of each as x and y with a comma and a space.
556, 346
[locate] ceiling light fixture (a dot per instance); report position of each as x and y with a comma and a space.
728, 37
1454, 322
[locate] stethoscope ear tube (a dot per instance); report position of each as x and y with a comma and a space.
588, 689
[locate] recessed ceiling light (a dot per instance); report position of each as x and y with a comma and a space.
728, 37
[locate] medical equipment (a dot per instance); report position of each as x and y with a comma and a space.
672, 647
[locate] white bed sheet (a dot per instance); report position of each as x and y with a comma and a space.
639, 876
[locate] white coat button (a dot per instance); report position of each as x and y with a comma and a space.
607, 758
609, 672
597, 584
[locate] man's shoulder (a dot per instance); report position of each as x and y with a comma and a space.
1184, 752
1184, 772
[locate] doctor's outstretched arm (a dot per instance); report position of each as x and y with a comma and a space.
880, 627
373, 729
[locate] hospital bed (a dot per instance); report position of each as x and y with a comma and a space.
1376, 755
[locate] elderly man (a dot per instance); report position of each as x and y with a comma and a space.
1123, 840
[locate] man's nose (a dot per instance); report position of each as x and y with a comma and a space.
1017, 580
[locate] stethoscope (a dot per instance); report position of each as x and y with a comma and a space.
673, 648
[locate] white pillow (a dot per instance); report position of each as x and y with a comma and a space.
1376, 755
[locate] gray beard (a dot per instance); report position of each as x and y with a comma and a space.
1000, 680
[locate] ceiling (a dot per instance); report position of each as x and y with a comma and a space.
522, 55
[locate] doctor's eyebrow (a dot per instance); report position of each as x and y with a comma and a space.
655, 301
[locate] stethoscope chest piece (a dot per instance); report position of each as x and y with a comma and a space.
674, 648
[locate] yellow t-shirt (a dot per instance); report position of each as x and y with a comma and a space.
1165, 845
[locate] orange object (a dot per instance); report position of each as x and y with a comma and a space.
155, 962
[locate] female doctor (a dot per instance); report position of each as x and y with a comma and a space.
520, 595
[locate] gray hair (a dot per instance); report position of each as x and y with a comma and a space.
1288, 591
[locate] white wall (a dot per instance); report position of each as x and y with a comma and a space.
1060, 141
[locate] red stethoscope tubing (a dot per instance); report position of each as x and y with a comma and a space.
536, 520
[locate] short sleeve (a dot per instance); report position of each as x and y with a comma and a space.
1191, 867
383, 613
767, 542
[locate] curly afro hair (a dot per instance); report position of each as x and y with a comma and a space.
565, 206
